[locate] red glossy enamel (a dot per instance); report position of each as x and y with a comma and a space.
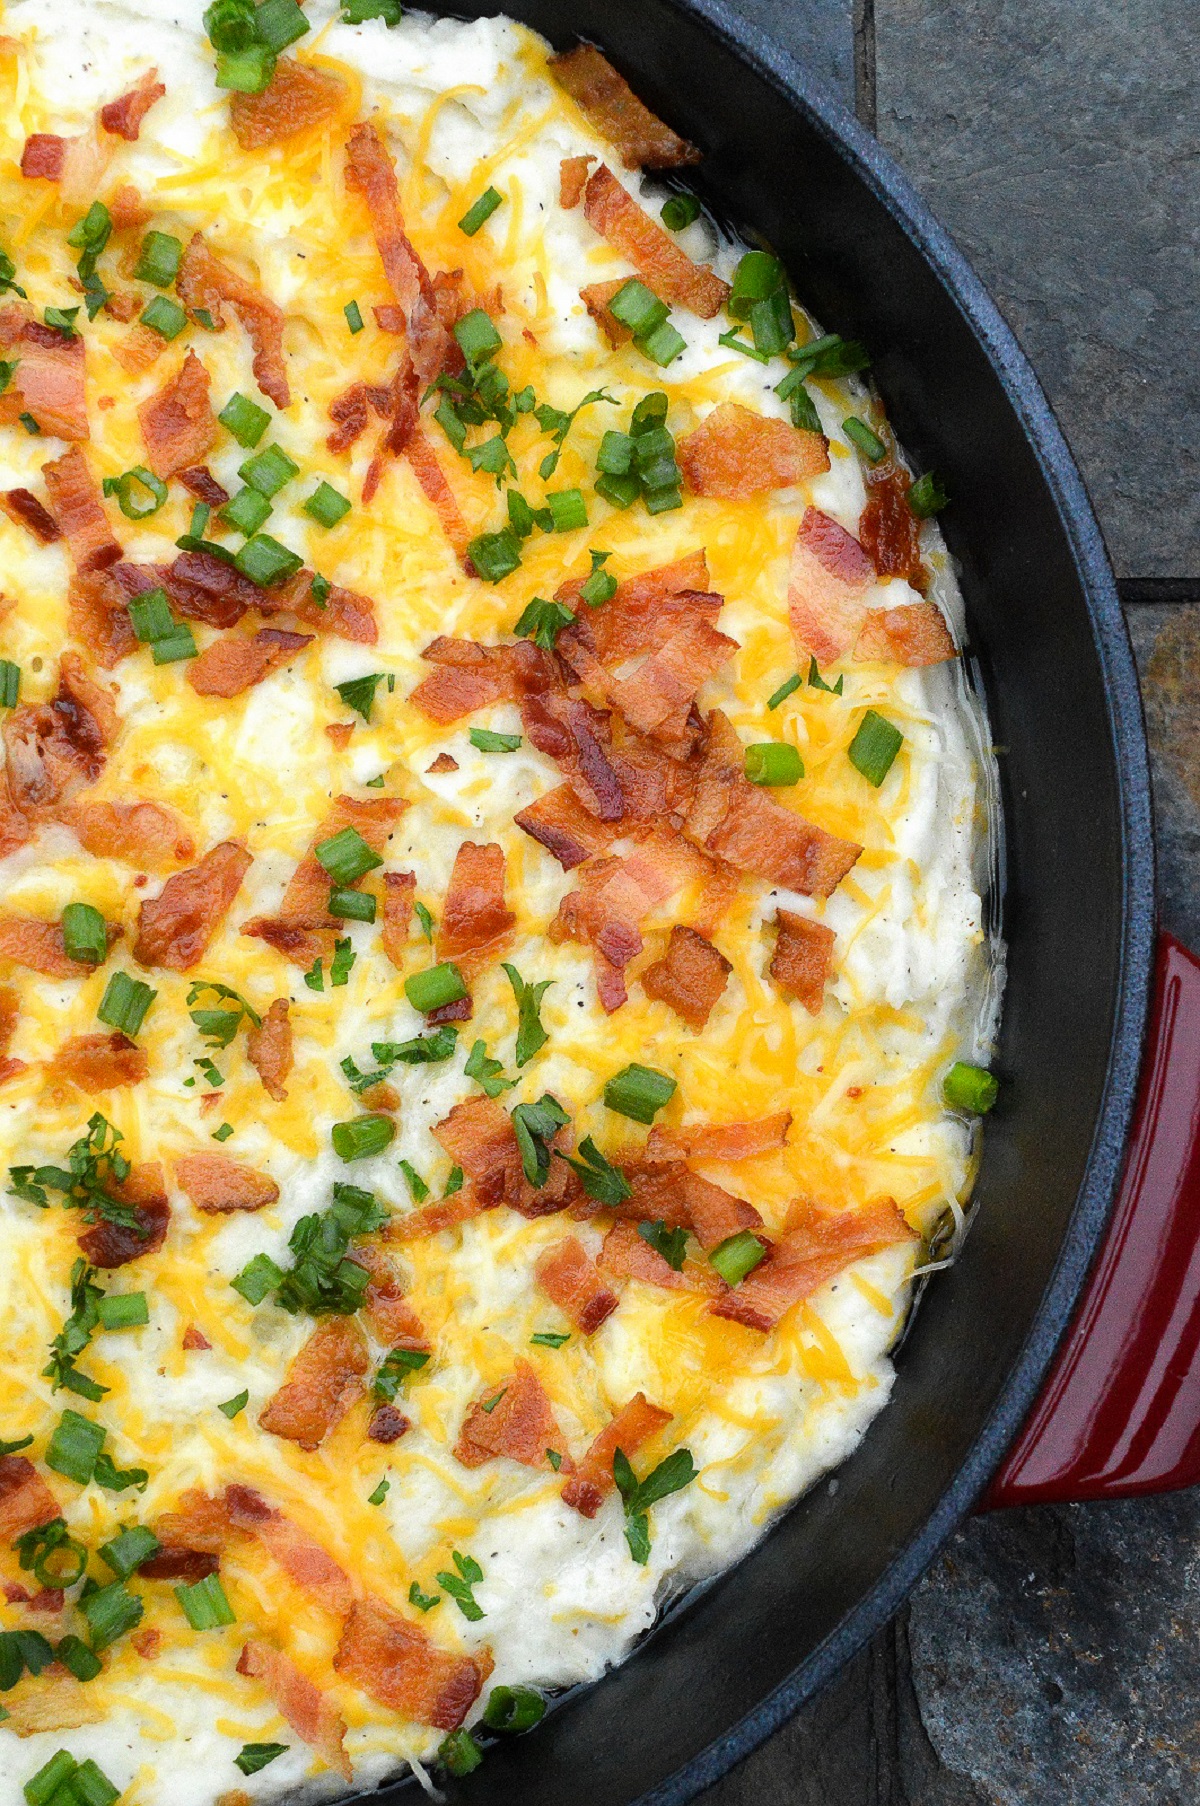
1120, 1412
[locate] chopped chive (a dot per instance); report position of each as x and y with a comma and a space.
542, 622
30, 424
869, 444
10, 683
663, 345
346, 856
85, 934
971, 1088
680, 211
129, 1549
158, 261
600, 586
362, 1136
789, 686
484, 740
773, 762
232, 1406
319, 589
758, 275
418, 1190
326, 506
615, 454
246, 511
771, 325
110, 1611
258, 1277
164, 317
551, 1338
568, 510
253, 1756
479, 211
817, 682
352, 905
80, 1661
139, 493
495, 555
514, 1709
150, 616
874, 747
246, 71
41, 1788
268, 470
477, 337
830, 355
926, 496
736, 1256
265, 561
638, 308
223, 1133
125, 1003
639, 1092
245, 420
454, 1181
123, 1310
342, 963
459, 1754
426, 920
381, 1492
204, 1604
434, 988
279, 23
734, 342
353, 313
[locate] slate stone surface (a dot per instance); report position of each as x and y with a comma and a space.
1059, 140
819, 34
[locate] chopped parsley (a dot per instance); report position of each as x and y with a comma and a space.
671, 1475
460, 1586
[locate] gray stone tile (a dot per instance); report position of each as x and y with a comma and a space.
819, 34
1166, 641
1057, 139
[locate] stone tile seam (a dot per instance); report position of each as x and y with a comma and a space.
865, 87
1148, 590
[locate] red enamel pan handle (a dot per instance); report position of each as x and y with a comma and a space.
1120, 1411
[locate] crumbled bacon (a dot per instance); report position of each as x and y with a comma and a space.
399, 889
564, 827
123, 305
397, 1663
426, 466
139, 348
25, 1499
44, 155
48, 382
98, 1063
371, 173
177, 422
301, 1558
611, 105
229, 666
205, 588
913, 636
79, 511
98, 614
514, 1419
657, 698
217, 1183
735, 453
690, 977
715, 1214
10, 1011
312, 1716
146, 835
597, 297
343, 612
888, 530
645, 612
387, 1424
572, 180
124, 117
431, 1219
802, 958
198, 1523
40, 946
612, 211
269, 1049
827, 587
444, 762
474, 918
568, 1276
175, 928
186, 1565
194, 1340
628, 1255
295, 99
128, 209
205, 282
303, 909
607, 911
720, 1141
468, 677
200, 482
478, 1136
23, 507
323, 1382
817, 1249
402, 418
116, 1244
53, 748
588, 1487
351, 410
391, 1317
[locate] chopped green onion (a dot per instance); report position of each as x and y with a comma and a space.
479, 211
734, 342
926, 496
418, 1190
56, 1558
342, 963
434, 988
85, 934
615, 454
671, 1244
30, 424
224, 1132
971, 1088
204, 1604
638, 307
346, 856
495, 555
663, 345
91, 1785
280, 23
79, 1660
123, 1310
326, 506
736, 1256
14, 1448
125, 1003
362, 1137
874, 747
246, 511
21, 1649
268, 470
551, 1338
568, 509
319, 589
773, 762
203, 318
253, 1756
258, 1277
803, 409
639, 1092
129, 1549
426, 920
159, 259
110, 1611
543, 621
353, 313
514, 1708
352, 905
621, 492
395, 1367
869, 444
10, 683
115, 1479
757, 276
150, 616
771, 325
40, 1788
830, 355
679, 211
139, 493
381, 1492
245, 420
232, 1406
165, 317
246, 71
484, 740
817, 682
789, 686
477, 338
459, 1753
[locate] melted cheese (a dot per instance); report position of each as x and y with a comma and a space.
463, 105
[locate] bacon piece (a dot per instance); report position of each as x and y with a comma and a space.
628, 1255
607, 912
25, 1499
478, 1136
611, 105
657, 698
734, 820
10, 1011
474, 917
44, 155
40, 946
802, 958
468, 677
146, 835
301, 1558
399, 889
344, 612
351, 410
590, 1484
912, 636
597, 298
645, 612
197, 1523
228, 667
888, 530
720, 1140
443, 763
560, 823
218, 1184
186, 1565
194, 1340
397, 1663
98, 1063
123, 305
296, 99
205, 588
116, 1244
387, 1425
303, 910
572, 180
426, 466
402, 417
322, 1384
139, 349
175, 928
177, 422
269, 1049
391, 1317
690, 977
200, 482
128, 209
447, 1213
568, 1276
817, 1249
55, 747
124, 117
371, 172
735, 453
827, 587
716, 1214
514, 1419
612, 211
23, 507
311, 1715
98, 614
48, 382
205, 282
79, 512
